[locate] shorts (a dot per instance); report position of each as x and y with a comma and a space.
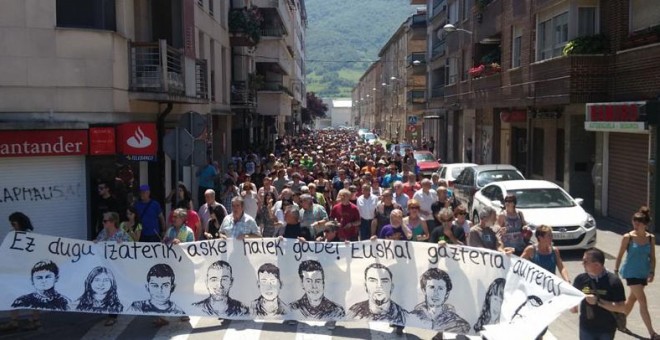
635, 281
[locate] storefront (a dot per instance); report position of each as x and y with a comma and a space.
624, 162
43, 175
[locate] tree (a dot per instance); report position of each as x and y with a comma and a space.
316, 108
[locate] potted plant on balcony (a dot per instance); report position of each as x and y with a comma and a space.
484, 70
255, 82
247, 21
592, 44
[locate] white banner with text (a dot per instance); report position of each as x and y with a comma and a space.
452, 288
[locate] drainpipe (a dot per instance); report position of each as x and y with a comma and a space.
160, 130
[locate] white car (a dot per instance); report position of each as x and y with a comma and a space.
450, 171
542, 202
362, 131
370, 137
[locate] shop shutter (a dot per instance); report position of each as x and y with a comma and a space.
628, 174
51, 191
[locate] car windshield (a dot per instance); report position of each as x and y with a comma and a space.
487, 177
369, 136
542, 198
456, 171
424, 157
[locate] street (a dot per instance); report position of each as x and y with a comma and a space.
90, 326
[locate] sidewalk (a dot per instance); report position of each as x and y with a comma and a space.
609, 236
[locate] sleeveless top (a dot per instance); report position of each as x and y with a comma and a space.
545, 261
417, 229
637, 264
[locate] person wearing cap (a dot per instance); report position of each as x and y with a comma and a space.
151, 215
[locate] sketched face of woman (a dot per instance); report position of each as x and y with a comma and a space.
495, 306
101, 284
269, 286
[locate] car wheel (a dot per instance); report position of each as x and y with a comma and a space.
475, 218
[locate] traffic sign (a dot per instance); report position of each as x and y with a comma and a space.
185, 143
412, 128
193, 122
412, 120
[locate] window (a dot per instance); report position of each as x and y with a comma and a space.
96, 14
211, 7
452, 13
644, 14
212, 67
467, 7
451, 65
538, 143
552, 36
516, 46
586, 21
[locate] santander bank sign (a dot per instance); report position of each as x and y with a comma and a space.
32, 143
137, 141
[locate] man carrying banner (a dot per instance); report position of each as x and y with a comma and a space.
379, 306
219, 280
604, 296
313, 304
434, 312
239, 225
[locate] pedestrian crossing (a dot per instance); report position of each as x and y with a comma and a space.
91, 327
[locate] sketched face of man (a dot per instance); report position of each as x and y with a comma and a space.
160, 289
101, 284
313, 284
379, 286
435, 293
269, 286
218, 282
43, 280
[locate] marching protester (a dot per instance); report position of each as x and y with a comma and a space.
238, 224
638, 269
366, 205
517, 232
348, 216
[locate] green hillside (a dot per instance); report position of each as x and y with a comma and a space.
351, 31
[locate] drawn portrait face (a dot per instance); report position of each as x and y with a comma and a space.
495, 306
218, 282
313, 285
269, 286
160, 289
435, 293
101, 284
43, 280
379, 285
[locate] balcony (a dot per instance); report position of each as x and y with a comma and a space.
245, 26
275, 31
417, 28
275, 86
416, 97
438, 7
157, 73
438, 91
417, 56
569, 79
489, 18
243, 95
438, 49
274, 99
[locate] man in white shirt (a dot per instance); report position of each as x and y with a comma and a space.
367, 207
400, 197
426, 197
205, 209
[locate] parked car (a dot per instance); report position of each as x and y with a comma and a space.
370, 137
362, 131
426, 162
471, 179
402, 148
450, 171
543, 202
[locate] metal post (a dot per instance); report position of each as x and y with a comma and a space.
162, 50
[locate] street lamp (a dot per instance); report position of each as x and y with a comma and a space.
449, 28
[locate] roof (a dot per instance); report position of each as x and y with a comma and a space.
490, 167
526, 184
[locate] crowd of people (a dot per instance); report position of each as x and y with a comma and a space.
330, 186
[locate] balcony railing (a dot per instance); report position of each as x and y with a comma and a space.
156, 67
272, 32
242, 94
438, 49
438, 6
438, 91
276, 86
416, 97
418, 20
421, 57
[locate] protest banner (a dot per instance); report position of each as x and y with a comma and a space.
452, 288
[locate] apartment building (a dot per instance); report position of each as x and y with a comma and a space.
564, 90
391, 93
90, 90
268, 70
